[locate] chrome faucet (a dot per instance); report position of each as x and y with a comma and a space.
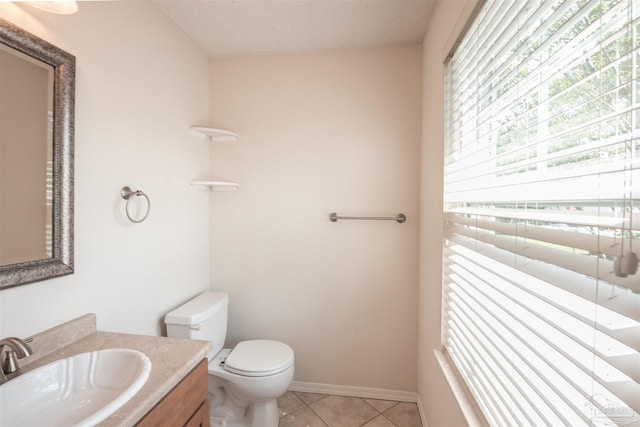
18, 349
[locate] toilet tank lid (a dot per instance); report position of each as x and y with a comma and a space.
198, 309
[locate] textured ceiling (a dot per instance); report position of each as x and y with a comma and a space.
251, 27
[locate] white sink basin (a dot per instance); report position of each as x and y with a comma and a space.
78, 391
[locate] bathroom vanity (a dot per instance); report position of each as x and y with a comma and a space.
185, 405
175, 392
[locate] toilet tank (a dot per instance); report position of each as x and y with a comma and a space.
202, 318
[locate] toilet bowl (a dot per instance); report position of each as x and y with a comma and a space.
244, 381
245, 400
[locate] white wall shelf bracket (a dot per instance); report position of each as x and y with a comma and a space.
213, 134
216, 185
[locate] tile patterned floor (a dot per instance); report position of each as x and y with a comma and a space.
299, 409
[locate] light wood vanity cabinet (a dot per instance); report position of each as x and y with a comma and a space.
186, 405
201, 417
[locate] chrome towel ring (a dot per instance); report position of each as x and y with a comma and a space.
126, 194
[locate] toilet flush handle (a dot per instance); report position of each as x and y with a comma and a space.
195, 327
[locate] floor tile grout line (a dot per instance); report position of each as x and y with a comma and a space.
379, 412
312, 411
396, 403
374, 417
325, 423
389, 419
318, 415
363, 400
308, 406
324, 396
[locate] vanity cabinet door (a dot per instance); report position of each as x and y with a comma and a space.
201, 417
185, 405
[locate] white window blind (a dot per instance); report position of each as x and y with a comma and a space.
541, 298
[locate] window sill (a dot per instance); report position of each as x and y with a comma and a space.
469, 409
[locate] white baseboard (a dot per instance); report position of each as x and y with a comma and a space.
423, 417
365, 392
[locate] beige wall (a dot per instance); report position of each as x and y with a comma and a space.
325, 132
438, 404
140, 84
335, 131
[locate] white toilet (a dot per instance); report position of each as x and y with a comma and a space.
245, 381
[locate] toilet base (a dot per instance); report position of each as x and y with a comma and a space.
264, 414
260, 414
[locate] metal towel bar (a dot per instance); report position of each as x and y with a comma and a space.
399, 218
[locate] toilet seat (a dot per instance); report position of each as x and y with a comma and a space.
259, 358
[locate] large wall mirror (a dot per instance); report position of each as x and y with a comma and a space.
37, 85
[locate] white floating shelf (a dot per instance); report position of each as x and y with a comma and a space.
213, 134
216, 185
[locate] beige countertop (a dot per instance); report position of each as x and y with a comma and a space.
171, 359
